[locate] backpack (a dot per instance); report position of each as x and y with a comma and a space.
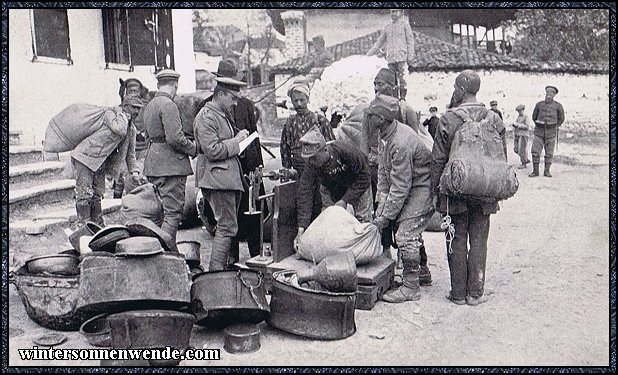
477, 167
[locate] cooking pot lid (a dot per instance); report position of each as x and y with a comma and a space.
138, 246
146, 228
50, 339
106, 238
150, 314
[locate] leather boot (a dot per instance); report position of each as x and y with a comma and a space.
234, 256
219, 253
424, 277
535, 170
386, 251
546, 173
118, 187
96, 212
410, 290
83, 213
171, 230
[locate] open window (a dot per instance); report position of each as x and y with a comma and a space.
137, 37
50, 35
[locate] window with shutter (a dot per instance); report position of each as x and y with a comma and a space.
50, 34
137, 37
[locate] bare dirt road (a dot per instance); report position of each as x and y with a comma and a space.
547, 280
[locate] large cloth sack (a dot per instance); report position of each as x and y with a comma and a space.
337, 230
72, 125
477, 167
143, 201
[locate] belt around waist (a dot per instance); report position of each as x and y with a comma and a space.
156, 140
545, 125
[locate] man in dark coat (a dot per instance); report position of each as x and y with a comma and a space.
341, 169
432, 122
470, 218
548, 115
167, 163
494, 107
103, 153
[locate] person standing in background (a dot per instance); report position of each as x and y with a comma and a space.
548, 115
494, 107
432, 122
523, 126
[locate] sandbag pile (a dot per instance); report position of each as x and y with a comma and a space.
337, 230
347, 83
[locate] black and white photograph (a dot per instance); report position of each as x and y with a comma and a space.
309, 185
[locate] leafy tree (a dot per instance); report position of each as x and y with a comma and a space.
573, 35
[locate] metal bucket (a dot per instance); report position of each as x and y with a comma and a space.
222, 298
111, 284
310, 313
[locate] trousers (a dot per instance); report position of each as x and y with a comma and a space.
544, 138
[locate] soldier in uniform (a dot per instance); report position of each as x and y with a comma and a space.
167, 163
341, 169
219, 171
548, 115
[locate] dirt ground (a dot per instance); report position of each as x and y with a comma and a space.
547, 281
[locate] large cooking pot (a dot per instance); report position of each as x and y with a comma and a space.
308, 312
54, 264
50, 300
110, 284
221, 298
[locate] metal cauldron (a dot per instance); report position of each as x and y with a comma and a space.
112, 284
222, 298
96, 331
54, 264
310, 313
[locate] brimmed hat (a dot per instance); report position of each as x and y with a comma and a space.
387, 75
312, 142
520, 107
493, 102
552, 87
167, 74
228, 74
385, 106
132, 102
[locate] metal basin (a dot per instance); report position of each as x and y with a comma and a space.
222, 298
55, 264
96, 331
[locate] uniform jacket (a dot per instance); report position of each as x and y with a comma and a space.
548, 113
345, 175
403, 174
525, 126
110, 146
217, 166
399, 41
449, 123
169, 149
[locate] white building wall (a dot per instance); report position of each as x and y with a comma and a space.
39, 90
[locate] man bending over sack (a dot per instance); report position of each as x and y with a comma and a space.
102, 153
403, 190
341, 169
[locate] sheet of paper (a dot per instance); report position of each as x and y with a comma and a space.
247, 141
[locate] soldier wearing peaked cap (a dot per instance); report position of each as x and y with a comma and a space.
403, 191
341, 169
548, 115
167, 163
219, 172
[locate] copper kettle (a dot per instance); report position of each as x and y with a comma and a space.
337, 273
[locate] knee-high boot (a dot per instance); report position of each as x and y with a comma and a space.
96, 212
219, 253
425, 275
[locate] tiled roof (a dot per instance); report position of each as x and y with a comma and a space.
433, 54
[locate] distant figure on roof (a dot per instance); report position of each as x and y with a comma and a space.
320, 57
398, 40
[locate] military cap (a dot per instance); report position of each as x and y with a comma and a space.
387, 75
167, 74
385, 106
433, 109
312, 142
552, 87
493, 102
469, 80
520, 107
